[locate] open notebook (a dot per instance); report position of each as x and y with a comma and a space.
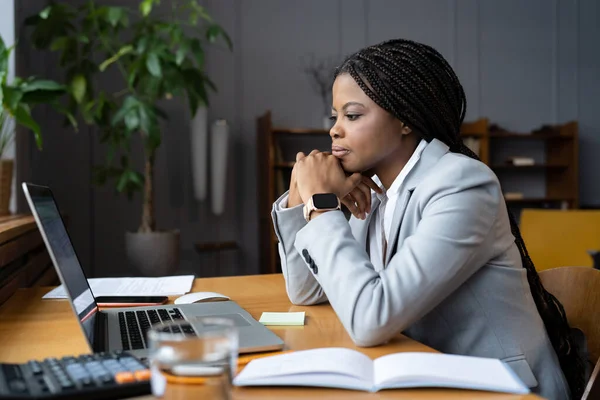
349, 369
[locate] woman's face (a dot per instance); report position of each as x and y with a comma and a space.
365, 136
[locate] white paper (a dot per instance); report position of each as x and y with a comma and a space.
338, 366
445, 370
163, 286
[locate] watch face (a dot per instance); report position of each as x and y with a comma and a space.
325, 200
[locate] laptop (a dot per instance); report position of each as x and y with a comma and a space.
124, 328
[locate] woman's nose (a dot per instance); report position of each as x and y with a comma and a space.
336, 131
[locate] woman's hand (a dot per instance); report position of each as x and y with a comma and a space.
294, 198
358, 201
320, 172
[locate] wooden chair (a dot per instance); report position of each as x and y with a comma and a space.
560, 238
578, 289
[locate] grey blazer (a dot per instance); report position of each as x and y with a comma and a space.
453, 278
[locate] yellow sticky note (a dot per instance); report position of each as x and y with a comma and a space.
282, 318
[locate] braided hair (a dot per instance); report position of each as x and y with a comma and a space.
414, 82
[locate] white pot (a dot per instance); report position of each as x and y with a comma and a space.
199, 147
219, 141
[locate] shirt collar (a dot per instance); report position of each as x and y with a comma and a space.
397, 183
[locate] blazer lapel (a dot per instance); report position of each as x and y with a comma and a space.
361, 228
430, 156
396, 220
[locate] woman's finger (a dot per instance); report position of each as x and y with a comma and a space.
350, 204
299, 156
361, 199
371, 184
366, 190
315, 151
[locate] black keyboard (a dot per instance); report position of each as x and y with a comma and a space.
113, 375
135, 324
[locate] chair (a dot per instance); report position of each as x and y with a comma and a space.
578, 289
560, 238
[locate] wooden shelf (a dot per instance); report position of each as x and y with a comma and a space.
215, 246
528, 136
529, 167
300, 131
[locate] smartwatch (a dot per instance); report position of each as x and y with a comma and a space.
321, 202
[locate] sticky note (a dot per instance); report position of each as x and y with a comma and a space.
282, 318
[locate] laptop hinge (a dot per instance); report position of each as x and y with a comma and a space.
100, 333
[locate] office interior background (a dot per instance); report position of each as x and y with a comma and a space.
523, 64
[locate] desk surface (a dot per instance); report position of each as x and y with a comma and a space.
35, 328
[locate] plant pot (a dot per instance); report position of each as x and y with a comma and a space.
199, 148
153, 253
6, 176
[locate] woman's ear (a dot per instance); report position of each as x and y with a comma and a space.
405, 130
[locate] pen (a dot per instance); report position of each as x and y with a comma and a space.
242, 361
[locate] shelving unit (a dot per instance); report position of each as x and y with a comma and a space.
559, 170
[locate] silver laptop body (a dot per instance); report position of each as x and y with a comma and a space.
123, 328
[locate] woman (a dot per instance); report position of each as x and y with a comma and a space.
430, 250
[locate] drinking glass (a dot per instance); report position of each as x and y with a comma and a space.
198, 359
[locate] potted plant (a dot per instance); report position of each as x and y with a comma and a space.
18, 98
157, 59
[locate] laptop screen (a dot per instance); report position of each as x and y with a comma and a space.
53, 230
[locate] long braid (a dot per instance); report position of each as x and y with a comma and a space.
414, 82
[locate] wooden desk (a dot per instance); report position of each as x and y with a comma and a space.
35, 328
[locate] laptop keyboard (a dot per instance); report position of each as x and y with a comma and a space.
135, 324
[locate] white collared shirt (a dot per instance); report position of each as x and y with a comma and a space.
381, 222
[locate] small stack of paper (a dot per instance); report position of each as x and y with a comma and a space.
163, 286
282, 318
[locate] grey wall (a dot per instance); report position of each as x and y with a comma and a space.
522, 64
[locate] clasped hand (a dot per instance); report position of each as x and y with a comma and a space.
321, 172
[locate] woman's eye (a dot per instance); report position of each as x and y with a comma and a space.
333, 118
352, 117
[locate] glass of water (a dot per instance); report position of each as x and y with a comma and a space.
198, 359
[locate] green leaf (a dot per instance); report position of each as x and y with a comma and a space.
197, 51
78, 88
153, 65
132, 120
129, 103
45, 12
12, 97
60, 43
146, 7
40, 96
114, 15
180, 56
122, 51
60, 108
42, 84
23, 117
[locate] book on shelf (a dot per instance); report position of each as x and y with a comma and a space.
349, 369
521, 161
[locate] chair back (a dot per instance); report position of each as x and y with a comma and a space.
560, 238
578, 289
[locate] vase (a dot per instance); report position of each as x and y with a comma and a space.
199, 147
153, 253
219, 140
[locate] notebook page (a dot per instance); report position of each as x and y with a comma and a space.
163, 286
431, 369
300, 365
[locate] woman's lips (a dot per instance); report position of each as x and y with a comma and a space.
339, 151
